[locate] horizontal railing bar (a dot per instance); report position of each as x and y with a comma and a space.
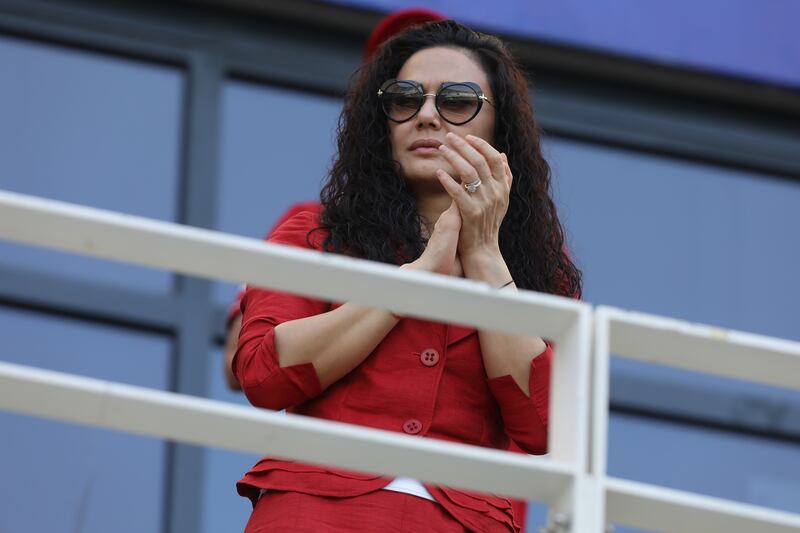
205, 422
703, 348
656, 508
216, 255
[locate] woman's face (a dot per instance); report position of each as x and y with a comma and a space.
413, 142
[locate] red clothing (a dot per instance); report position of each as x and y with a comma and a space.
381, 511
235, 308
424, 378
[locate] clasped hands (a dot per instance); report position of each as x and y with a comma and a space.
467, 233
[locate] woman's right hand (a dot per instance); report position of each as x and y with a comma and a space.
440, 253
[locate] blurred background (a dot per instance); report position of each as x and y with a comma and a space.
673, 132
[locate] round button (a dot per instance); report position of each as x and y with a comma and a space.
412, 426
429, 357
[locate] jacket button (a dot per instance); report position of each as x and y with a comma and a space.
429, 357
412, 426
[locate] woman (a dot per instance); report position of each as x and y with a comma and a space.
387, 27
439, 169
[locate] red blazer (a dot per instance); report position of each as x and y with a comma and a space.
235, 309
425, 378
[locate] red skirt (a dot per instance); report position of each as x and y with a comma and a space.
382, 510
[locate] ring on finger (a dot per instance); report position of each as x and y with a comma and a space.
472, 186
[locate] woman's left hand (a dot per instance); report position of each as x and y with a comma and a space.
481, 211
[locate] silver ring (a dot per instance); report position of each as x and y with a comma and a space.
472, 186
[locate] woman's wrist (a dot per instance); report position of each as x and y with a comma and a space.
508, 283
481, 255
486, 265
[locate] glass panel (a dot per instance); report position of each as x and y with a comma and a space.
93, 130
225, 510
681, 239
744, 468
535, 517
64, 477
691, 241
277, 146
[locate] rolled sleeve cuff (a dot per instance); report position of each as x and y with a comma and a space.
267, 384
526, 417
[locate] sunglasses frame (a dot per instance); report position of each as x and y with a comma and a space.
472, 85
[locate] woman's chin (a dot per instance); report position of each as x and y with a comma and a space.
426, 186
425, 171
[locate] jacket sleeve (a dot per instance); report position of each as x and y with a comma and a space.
526, 417
255, 364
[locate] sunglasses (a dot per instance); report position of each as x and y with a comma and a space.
457, 102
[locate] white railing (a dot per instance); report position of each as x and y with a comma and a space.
712, 350
580, 495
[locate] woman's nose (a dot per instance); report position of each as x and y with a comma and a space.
428, 113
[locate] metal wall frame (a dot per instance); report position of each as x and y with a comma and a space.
316, 49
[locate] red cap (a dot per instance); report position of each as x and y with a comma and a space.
394, 23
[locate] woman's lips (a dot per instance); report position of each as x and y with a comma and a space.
425, 150
425, 146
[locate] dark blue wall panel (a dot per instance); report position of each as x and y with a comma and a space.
277, 146
65, 477
744, 38
94, 130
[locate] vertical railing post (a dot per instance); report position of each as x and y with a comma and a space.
569, 418
601, 375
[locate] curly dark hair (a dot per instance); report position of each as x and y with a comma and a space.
368, 207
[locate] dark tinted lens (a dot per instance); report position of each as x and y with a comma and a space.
458, 103
401, 100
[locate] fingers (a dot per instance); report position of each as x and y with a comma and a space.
468, 163
440, 252
509, 177
491, 156
460, 196
472, 158
449, 220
